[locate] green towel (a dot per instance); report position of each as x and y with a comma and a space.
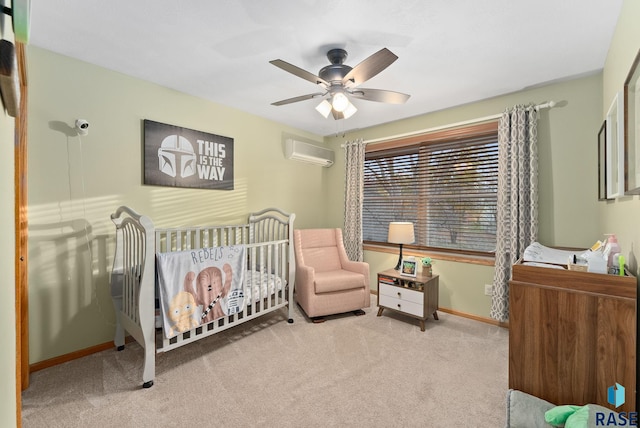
568, 416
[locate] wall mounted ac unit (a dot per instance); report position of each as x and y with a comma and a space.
306, 152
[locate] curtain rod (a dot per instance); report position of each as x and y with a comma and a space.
549, 104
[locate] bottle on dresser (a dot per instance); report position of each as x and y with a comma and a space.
611, 253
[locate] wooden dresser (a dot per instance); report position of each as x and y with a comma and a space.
572, 335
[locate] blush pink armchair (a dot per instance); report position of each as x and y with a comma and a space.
327, 282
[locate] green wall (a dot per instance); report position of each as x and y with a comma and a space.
7, 250
621, 216
75, 183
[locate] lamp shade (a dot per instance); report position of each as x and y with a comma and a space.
324, 108
349, 111
401, 232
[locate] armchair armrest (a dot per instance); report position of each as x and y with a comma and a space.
359, 267
304, 274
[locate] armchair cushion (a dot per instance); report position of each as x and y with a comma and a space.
322, 259
337, 280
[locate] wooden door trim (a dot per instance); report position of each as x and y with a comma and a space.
21, 235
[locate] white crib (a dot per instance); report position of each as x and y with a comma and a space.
269, 276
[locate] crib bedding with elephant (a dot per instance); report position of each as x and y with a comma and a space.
197, 280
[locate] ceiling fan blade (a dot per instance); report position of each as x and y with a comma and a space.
369, 67
380, 95
296, 99
297, 71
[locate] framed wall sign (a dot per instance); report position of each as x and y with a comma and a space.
615, 148
632, 129
602, 162
181, 157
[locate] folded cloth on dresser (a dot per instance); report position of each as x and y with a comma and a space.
199, 286
537, 252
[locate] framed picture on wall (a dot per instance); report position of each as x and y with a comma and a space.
181, 157
615, 148
602, 162
632, 129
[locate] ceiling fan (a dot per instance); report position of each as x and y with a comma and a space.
340, 81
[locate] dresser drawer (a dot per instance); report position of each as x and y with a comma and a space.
401, 293
405, 306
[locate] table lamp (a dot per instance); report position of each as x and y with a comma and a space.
400, 232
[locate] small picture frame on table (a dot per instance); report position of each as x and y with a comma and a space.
409, 267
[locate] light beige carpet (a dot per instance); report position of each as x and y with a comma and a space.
349, 371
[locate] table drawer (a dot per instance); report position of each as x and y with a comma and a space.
401, 305
401, 293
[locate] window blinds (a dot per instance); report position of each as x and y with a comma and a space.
448, 189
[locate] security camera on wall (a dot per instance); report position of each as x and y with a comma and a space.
82, 126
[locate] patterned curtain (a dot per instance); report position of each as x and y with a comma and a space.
517, 212
353, 196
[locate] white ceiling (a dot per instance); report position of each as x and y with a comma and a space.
451, 52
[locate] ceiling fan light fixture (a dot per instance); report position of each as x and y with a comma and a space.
339, 83
340, 102
324, 108
349, 111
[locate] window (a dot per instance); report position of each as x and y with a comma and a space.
445, 183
